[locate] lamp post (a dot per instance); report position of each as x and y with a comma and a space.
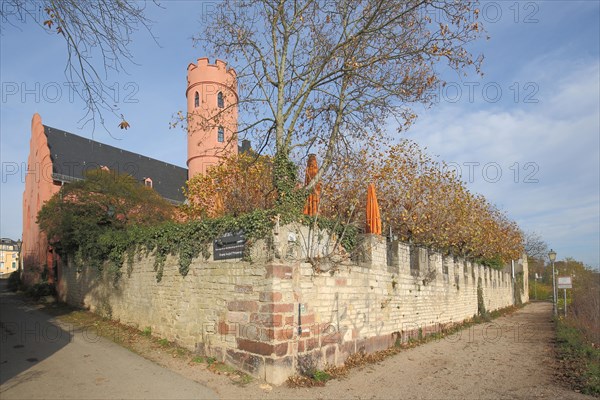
20, 259
19, 244
552, 257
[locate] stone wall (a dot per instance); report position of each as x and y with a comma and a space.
199, 311
279, 315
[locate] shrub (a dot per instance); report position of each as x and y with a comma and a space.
539, 290
14, 282
239, 185
40, 290
76, 217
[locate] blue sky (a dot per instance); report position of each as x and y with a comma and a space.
526, 134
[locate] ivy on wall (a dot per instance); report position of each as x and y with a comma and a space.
109, 217
185, 240
189, 240
290, 199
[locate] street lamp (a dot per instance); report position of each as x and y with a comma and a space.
19, 244
552, 257
19, 269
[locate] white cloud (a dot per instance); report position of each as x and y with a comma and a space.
559, 138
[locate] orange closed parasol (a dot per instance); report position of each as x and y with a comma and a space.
373, 216
218, 206
312, 202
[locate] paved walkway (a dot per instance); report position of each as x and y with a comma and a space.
40, 358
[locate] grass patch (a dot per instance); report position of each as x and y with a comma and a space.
204, 360
580, 359
220, 367
163, 342
245, 379
238, 377
179, 352
147, 331
321, 376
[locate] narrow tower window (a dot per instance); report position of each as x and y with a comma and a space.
196, 100
221, 135
220, 102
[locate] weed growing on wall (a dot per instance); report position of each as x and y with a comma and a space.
480, 301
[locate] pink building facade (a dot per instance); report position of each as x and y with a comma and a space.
57, 158
39, 188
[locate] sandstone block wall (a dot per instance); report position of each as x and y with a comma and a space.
279, 315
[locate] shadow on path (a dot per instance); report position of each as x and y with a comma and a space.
43, 358
27, 335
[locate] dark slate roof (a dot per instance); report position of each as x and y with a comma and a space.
72, 155
9, 242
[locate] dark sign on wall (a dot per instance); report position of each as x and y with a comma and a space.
230, 245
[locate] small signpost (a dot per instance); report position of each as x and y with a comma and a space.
230, 245
564, 282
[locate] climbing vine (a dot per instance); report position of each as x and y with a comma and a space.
290, 198
187, 240
193, 239
108, 218
480, 300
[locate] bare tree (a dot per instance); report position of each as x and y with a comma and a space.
326, 77
92, 30
535, 246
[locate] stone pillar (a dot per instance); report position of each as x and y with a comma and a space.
525, 278
372, 252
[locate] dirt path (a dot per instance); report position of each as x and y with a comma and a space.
511, 357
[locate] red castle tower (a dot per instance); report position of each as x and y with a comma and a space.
212, 104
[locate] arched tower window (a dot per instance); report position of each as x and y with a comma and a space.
196, 100
220, 102
221, 135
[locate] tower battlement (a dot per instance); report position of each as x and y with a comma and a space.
203, 66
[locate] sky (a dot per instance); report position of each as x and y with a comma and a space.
526, 135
